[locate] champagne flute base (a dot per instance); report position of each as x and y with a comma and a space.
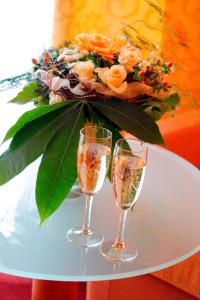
91, 239
126, 254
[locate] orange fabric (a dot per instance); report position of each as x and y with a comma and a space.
182, 134
51, 290
185, 275
137, 288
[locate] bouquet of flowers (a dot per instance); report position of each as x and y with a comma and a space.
100, 80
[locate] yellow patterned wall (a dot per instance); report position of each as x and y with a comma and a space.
183, 17
103, 16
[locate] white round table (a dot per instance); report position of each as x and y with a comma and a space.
164, 225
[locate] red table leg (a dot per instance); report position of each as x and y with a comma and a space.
51, 290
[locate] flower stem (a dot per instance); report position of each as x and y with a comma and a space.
14, 81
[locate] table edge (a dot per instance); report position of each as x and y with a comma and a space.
83, 278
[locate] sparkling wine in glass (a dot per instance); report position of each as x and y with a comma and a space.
93, 161
128, 170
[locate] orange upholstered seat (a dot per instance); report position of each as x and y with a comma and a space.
182, 136
137, 288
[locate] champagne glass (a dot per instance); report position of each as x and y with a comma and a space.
128, 170
93, 160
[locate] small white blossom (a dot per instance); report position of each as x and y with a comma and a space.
55, 98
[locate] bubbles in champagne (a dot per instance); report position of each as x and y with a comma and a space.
127, 177
93, 163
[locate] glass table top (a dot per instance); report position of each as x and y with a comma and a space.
164, 225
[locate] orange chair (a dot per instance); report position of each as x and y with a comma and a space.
54, 290
137, 288
182, 281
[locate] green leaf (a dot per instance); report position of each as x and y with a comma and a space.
165, 69
173, 100
40, 101
157, 107
31, 115
28, 94
30, 142
57, 172
130, 118
154, 112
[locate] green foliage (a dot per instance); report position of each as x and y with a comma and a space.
131, 118
165, 69
67, 43
136, 75
156, 107
12, 82
41, 101
98, 60
28, 94
30, 142
53, 130
57, 172
173, 100
31, 115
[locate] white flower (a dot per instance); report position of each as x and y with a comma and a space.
55, 82
68, 55
55, 98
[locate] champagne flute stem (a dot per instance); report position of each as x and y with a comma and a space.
87, 216
119, 242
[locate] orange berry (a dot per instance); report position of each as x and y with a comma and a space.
141, 73
46, 54
169, 64
34, 61
165, 84
45, 60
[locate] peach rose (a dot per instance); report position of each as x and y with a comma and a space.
129, 56
84, 70
113, 78
104, 46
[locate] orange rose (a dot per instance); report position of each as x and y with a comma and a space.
96, 43
113, 78
129, 56
84, 70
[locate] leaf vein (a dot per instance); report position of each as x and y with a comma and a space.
61, 161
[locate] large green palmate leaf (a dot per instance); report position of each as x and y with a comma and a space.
130, 118
57, 172
30, 142
33, 114
28, 94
